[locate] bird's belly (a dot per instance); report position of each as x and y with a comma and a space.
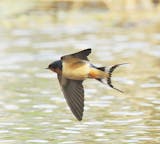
76, 73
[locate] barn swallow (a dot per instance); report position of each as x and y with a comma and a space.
72, 70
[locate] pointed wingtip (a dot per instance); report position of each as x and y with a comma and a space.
80, 119
88, 49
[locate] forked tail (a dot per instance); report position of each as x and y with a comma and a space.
110, 71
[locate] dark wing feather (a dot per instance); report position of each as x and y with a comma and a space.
81, 55
74, 94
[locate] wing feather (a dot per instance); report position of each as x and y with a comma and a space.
74, 94
81, 54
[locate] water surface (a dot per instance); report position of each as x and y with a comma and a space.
33, 109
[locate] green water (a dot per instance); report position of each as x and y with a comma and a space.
32, 106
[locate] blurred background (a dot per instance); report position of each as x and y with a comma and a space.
33, 33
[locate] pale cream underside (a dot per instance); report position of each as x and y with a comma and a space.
76, 69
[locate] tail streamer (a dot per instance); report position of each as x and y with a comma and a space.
109, 81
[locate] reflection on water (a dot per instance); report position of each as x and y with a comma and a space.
33, 109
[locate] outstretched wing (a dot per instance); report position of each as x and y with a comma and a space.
74, 94
81, 55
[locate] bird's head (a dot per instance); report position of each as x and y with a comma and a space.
55, 66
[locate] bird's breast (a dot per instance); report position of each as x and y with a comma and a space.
78, 70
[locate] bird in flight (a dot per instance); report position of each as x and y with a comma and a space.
72, 70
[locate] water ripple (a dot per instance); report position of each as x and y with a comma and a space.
94, 123
122, 113
11, 107
123, 122
70, 131
22, 42
23, 128
37, 141
44, 106
3, 141
150, 85
4, 131
22, 32
98, 103
70, 142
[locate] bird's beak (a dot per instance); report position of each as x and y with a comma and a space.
46, 68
